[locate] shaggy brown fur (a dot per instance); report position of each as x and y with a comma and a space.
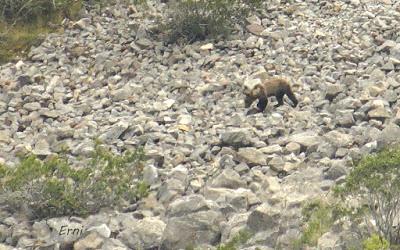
277, 87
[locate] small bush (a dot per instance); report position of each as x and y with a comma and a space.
375, 243
193, 20
241, 238
319, 217
54, 188
373, 187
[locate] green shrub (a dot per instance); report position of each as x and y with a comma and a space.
319, 217
28, 11
375, 243
54, 188
373, 186
193, 20
241, 238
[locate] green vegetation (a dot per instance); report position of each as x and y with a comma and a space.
26, 11
235, 243
193, 20
55, 188
241, 238
15, 42
24, 23
319, 217
375, 243
375, 184
371, 190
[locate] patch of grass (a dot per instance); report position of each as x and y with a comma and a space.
15, 42
55, 188
28, 11
25, 23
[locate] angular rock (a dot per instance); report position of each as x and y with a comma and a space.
170, 189
306, 139
276, 163
122, 94
5, 136
264, 217
339, 139
146, 234
113, 244
175, 184
41, 148
345, 118
237, 200
332, 90
32, 106
396, 119
235, 224
229, 178
193, 229
144, 43
102, 230
91, 241
254, 19
150, 174
82, 24
24, 80
186, 205
115, 131
59, 231
389, 135
5, 232
379, 113
336, 171
255, 29
165, 105
185, 119
273, 149
293, 147
208, 46
251, 156
238, 138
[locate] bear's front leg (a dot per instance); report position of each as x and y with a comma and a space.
262, 103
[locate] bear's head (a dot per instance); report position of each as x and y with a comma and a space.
251, 95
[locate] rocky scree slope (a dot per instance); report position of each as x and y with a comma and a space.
213, 171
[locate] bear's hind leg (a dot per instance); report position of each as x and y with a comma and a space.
279, 98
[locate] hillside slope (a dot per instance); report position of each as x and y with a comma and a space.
213, 170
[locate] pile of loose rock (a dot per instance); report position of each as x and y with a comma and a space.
213, 171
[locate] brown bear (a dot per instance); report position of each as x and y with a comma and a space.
277, 87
